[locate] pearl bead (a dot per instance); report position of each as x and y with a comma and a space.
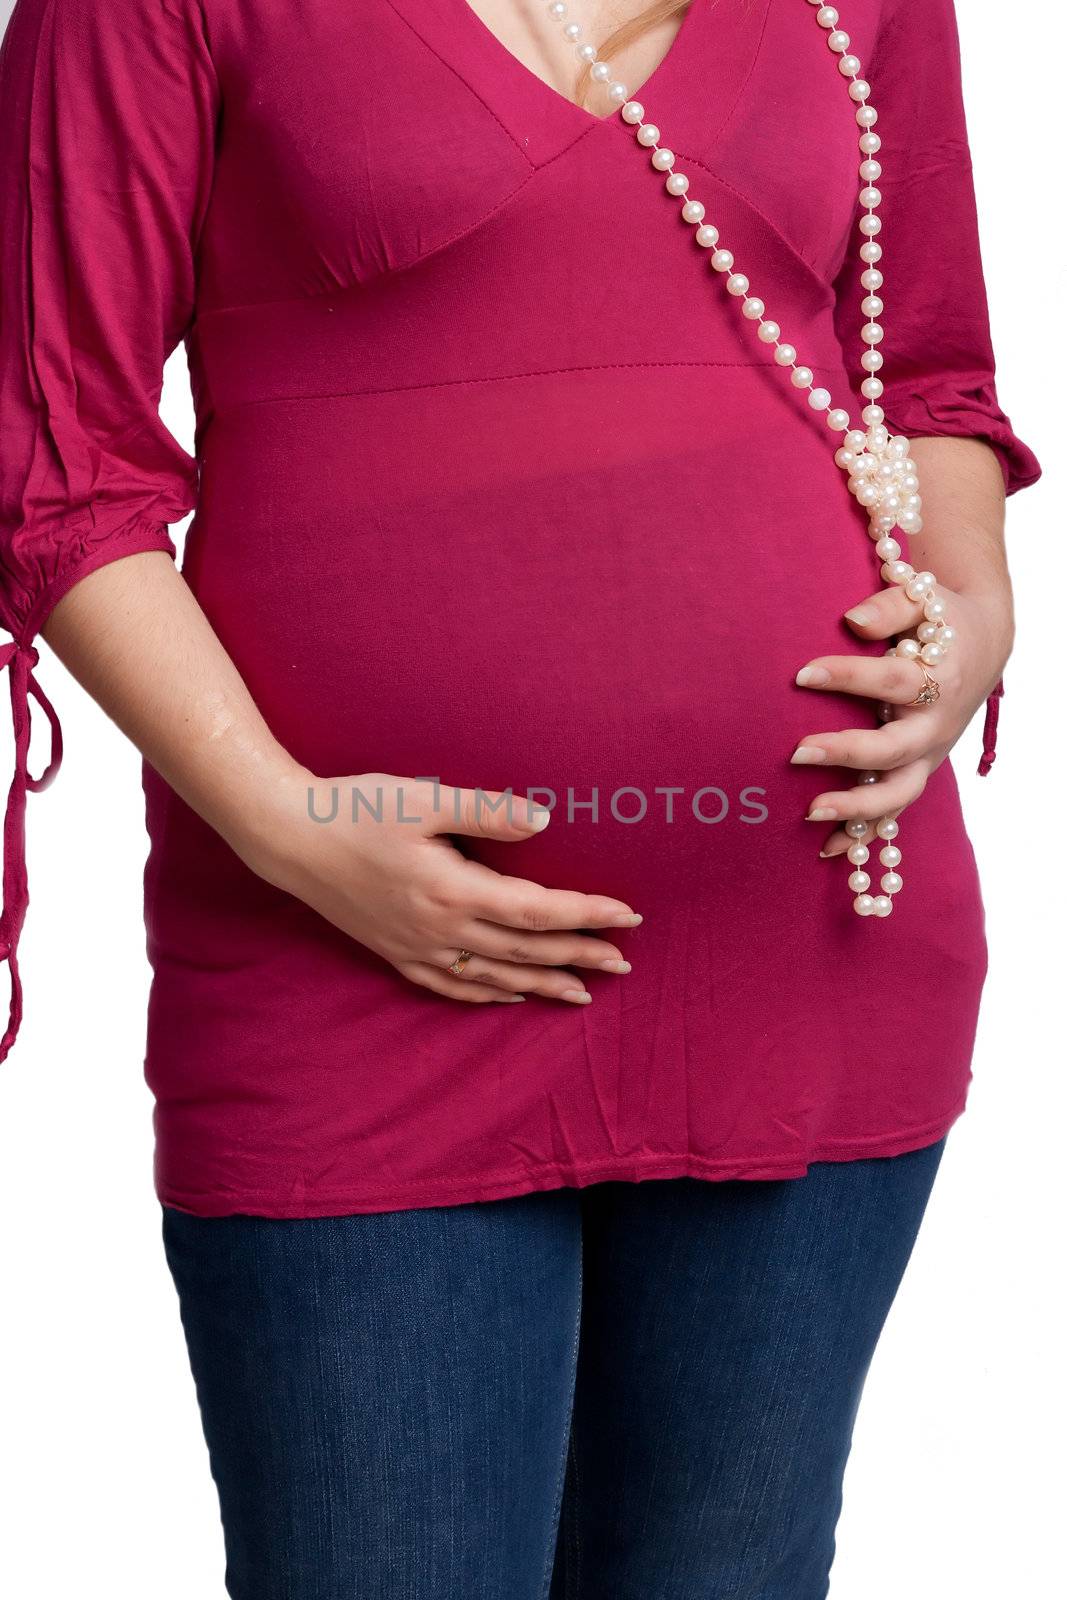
801, 377
918, 588
898, 571
870, 143
859, 89
707, 236
870, 196
870, 777
586, 52
871, 360
908, 649
859, 881
849, 65
677, 184
557, 9
872, 278
856, 439
600, 72
871, 250
837, 419
934, 609
870, 225
693, 211
768, 332
617, 92
927, 631
819, 399
827, 17
633, 112
648, 134
892, 882
872, 306
856, 828
873, 333
864, 904
722, 261
883, 905
932, 654
785, 355
858, 853
873, 388
663, 160
737, 284
946, 636
573, 32
753, 308
838, 40
887, 828
889, 856
866, 116
870, 171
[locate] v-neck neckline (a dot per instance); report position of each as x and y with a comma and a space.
534, 82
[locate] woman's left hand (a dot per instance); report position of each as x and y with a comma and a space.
898, 757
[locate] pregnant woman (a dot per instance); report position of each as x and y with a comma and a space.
564, 378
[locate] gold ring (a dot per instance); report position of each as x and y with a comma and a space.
930, 690
460, 962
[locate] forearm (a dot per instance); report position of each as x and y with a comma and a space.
962, 539
134, 636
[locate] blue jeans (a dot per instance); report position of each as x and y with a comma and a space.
625, 1392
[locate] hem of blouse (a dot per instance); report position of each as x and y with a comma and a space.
146, 536
553, 1175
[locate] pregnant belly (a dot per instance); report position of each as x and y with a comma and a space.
597, 589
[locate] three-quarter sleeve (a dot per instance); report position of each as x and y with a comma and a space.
938, 357
108, 111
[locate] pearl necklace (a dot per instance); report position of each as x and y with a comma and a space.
881, 473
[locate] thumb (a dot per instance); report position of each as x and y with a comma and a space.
491, 814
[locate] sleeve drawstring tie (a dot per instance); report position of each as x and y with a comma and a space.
989, 730
20, 660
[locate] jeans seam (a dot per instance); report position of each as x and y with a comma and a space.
546, 1578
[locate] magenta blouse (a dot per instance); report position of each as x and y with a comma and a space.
491, 483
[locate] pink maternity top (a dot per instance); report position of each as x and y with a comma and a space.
491, 483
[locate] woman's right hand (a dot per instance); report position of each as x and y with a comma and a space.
393, 880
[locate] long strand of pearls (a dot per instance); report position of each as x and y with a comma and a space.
881, 473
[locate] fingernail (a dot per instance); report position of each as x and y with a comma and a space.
510, 999
808, 755
629, 920
615, 966
821, 814
538, 820
860, 614
578, 997
808, 677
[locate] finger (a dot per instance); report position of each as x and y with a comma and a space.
883, 614
840, 842
891, 678
552, 983
443, 982
488, 813
518, 903
543, 949
880, 749
891, 794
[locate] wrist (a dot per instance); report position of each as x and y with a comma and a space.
262, 822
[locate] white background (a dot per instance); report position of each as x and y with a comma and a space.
955, 1486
